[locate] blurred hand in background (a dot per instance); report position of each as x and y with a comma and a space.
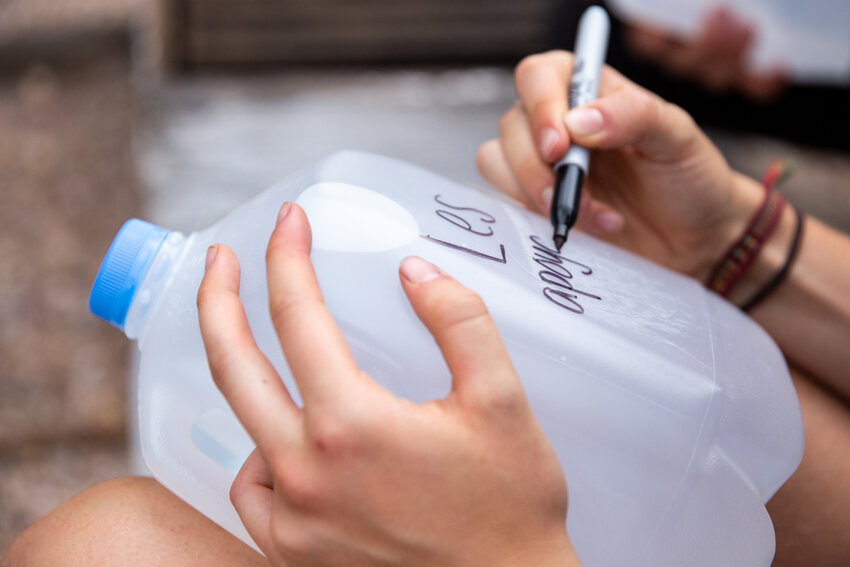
716, 57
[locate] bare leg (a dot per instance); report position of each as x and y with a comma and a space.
129, 522
811, 513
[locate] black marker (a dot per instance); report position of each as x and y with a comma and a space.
570, 171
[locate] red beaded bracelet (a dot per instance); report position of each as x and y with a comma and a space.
793, 250
740, 256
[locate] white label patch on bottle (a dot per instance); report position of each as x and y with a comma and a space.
349, 218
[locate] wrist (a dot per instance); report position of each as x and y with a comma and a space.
745, 199
769, 260
762, 252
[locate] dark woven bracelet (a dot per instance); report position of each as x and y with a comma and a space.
780, 276
740, 256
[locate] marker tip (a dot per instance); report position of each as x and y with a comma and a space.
559, 241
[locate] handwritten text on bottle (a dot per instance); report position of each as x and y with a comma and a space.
555, 274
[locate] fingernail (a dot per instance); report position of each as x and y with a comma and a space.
211, 253
609, 221
548, 140
284, 210
584, 121
416, 270
546, 197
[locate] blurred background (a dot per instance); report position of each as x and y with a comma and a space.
178, 110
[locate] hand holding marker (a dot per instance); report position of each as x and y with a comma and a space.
570, 171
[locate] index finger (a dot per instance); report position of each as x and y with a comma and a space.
240, 370
482, 372
312, 343
542, 83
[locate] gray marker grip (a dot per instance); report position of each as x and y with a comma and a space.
591, 44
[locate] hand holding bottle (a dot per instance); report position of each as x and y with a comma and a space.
359, 476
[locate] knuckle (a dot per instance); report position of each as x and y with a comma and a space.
507, 120
528, 64
283, 308
299, 487
221, 365
654, 113
506, 402
238, 490
205, 296
225, 355
460, 307
681, 129
559, 56
218, 357
275, 249
485, 156
648, 105
678, 113
332, 436
533, 63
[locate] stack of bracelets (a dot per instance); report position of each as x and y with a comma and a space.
743, 252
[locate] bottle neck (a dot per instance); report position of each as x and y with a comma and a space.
147, 294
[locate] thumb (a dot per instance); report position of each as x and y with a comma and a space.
482, 373
633, 117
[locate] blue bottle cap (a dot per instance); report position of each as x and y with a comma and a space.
123, 268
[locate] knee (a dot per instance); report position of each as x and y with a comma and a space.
98, 522
129, 522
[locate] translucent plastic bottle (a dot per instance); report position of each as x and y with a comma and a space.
672, 413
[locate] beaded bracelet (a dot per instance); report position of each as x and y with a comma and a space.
793, 250
740, 256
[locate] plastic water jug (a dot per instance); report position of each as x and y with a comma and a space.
672, 413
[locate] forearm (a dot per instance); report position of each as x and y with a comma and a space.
809, 313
